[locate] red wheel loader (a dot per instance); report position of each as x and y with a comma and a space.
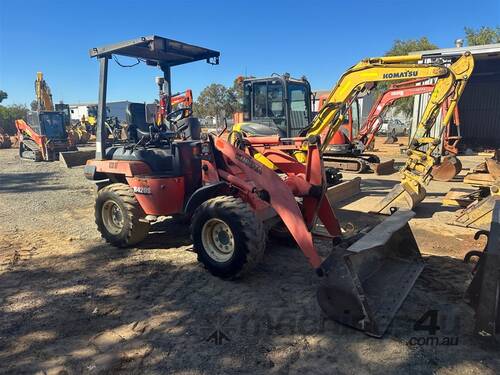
233, 200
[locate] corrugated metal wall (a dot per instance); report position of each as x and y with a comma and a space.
479, 106
480, 114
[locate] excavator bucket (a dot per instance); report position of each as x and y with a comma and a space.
367, 282
401, 196
383, 168
477, 215
449, 167
493, 167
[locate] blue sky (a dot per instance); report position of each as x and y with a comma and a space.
319, 39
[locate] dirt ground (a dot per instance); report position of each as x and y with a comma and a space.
70, 304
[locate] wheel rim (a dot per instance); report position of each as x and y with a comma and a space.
112, 216
218, 240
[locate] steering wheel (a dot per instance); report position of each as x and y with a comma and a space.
179, 114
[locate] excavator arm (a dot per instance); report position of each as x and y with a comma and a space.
43, 94
417, 171
184, 97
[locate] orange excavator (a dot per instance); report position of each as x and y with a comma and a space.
183, 99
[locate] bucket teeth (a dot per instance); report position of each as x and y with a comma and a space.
367, 282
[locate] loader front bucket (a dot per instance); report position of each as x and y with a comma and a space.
383, 168
401, 196
449, 167
367, 282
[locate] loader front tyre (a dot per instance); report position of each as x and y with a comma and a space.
227, 236
119, 216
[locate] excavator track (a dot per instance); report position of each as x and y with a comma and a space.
359, 164
346, 163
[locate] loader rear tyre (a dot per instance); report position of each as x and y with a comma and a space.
227, 236
119, 217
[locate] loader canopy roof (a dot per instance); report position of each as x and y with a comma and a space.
156, 50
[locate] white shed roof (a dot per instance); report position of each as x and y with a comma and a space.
485, 49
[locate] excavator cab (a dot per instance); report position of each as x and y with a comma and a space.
279, 103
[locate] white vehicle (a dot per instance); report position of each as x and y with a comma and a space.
393, 125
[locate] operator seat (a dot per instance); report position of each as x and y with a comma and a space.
135, 117
160, 160
176, 159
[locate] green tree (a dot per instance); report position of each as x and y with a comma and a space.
400, 48
3, 95
483, 35
8, 116
404, 47
216, 100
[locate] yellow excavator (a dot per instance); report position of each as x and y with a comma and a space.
422, 158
